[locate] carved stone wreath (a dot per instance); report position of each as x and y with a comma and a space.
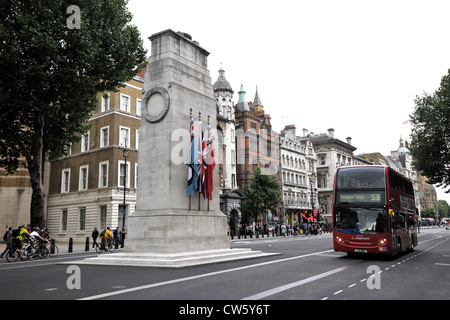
158, 108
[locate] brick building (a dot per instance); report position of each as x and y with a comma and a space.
257, 145
87, 186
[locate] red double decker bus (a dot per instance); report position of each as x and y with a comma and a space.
373, 211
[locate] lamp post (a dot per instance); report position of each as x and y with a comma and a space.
126, 153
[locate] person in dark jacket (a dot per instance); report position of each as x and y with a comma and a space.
94, 237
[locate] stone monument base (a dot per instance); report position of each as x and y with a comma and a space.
173, 260
173, 231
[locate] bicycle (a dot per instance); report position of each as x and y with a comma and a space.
110, 247
39, 250
14, 255
52, 249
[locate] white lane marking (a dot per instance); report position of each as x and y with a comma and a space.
159, 284
294, 284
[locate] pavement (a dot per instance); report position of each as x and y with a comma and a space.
80, 247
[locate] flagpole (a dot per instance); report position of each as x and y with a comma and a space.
190, 127
201, 164
208, 166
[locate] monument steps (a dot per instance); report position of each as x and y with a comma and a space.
173, 260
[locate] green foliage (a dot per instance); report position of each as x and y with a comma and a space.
430, 144
427, 213
51, 74
444, 209
263, 193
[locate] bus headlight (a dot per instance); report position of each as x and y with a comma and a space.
339, 239
382, 242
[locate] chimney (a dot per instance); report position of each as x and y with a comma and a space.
331, 133
349, 140
305, 132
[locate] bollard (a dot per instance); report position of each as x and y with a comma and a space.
86, 247
52, 248
70, 245
116, 243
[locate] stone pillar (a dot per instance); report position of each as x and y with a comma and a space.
176, 81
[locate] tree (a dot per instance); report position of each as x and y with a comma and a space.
428, 213
430, 143
444, 209
54, 59
263, 193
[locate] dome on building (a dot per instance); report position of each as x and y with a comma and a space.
402, 150
222, 84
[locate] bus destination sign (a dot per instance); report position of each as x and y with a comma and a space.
360, 197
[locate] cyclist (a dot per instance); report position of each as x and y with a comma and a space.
18, 241
105, 236
108, 236
36, 236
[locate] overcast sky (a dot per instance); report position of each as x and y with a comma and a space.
352, 65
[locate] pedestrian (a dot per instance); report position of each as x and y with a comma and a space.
94, 237
8, 238
283, 230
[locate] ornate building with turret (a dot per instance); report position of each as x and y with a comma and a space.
257, 144
230, 196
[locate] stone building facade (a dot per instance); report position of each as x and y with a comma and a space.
332, 153
230, 195
298, 170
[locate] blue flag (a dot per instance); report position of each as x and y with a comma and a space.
193, 170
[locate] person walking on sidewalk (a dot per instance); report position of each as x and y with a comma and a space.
94, 238
8, 242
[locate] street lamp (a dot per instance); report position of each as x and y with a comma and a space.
126, 153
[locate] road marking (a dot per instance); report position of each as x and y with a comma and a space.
443, 264
294, 284
159, 284
337, 292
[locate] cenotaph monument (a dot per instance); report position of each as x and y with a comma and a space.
169, 227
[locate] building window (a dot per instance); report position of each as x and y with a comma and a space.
64, 220
83, 183
65, 181
138, 106
322, 160
105, 102
85, 142
82, 222
103, 216
103, 174
104, 137
122, 169
124, 102
124, 136
135, 175
136, 143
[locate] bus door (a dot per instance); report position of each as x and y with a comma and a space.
398, 230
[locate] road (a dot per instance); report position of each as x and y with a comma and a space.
306, 269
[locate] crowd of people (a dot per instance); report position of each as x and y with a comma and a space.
105, 235
15, 238
281, 229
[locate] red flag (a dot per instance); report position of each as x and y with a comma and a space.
211, 163
202, 166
